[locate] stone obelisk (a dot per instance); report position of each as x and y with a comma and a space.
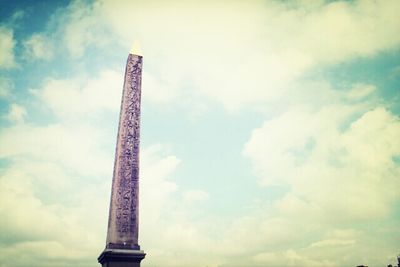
122, 248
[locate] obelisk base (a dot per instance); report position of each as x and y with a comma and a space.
121, 258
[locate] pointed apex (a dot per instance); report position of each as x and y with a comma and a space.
135, 50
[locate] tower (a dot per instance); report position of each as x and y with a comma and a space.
122, 247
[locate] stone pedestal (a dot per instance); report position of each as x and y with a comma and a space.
121, 258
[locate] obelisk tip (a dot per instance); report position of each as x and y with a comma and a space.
135, 50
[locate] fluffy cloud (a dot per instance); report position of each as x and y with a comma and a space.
80, 96
339, 166
336, 170
257, 49
38, 47
49, 189
7, 44
81, 28
37, 220
360, 91
71, 145
16, 113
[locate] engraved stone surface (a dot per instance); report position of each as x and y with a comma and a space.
123, 218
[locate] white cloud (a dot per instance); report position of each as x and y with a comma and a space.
195, 196
82, 28
249, 53
288, 258
361, 91
75, 98
24, 215
333, 242
16, 113
39, 47
155, 169
237, 54
340, 175
158, 90
55, 179
7, 43
74, 146
43, 253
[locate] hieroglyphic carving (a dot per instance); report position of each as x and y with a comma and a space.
123, 220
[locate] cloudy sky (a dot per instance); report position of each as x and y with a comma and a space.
270, 131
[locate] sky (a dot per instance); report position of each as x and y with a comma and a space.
270, 131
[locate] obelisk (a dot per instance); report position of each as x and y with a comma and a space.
122, 248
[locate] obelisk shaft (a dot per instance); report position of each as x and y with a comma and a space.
123, 221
